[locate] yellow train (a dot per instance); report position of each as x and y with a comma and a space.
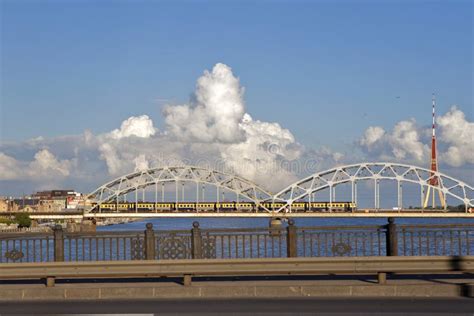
224, 206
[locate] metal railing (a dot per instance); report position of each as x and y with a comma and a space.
436, 240
197, 243
244, 243
31, 247
102, 246
342, 241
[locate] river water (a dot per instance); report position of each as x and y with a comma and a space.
209, 223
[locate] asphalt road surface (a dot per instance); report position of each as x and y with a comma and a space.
306, 306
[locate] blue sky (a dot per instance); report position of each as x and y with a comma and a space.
324, 70
98, 62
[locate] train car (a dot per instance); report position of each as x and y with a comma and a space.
145, 206
106, 207
340, 206
337, 206
123, 206
318, 206
165, 206
331, 206
245, 206
274, 205
185, 206
225, 206
205, 206
113, 207
299, 206
278, 205
352, 207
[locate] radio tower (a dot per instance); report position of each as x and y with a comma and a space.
434, 181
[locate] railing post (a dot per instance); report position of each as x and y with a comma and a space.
392, 238
291, 239
149, 242
58, 243
50, 281
196, 241
382, 278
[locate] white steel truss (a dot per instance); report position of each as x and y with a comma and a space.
376, 172
302, 189
110, 192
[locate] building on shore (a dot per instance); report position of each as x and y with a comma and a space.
57, 200
42, 201
17, 204
4, 204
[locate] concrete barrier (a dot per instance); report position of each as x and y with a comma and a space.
263, 289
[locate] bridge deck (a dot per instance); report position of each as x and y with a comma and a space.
381, 214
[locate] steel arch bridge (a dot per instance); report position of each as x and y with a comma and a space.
111, 191
376, 172
266, 204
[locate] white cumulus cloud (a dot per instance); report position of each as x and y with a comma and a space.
139, 126
216, 111
402, 143
9, 167
46, 163
44, 166
458, 134
141, 163
372, 135
213, 129
405, 142
260, 156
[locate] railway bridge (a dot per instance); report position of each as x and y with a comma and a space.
191, 191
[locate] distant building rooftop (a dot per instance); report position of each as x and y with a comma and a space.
25, 202
51, 194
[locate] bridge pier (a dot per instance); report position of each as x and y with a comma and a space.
88, 225
275, 226
72, 227
275, 222
85, 226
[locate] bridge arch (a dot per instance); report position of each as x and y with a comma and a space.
135, 181
376, 171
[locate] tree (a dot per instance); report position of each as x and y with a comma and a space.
23, 220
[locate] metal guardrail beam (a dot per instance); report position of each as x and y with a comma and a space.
236, 267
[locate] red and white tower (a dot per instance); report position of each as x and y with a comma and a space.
434, 181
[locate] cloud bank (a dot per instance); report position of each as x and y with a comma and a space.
409, 142
44, 166
214, 130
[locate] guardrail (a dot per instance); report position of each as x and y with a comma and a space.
50, 271
265, 242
